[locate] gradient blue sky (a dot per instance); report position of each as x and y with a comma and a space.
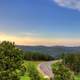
39, 22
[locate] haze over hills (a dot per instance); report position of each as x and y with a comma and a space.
53, 50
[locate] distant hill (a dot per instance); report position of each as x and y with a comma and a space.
54, 50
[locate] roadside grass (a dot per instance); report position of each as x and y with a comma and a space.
31, 62
26, 77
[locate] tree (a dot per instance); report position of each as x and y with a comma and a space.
72, 61
11, 59
61, 72
33, 55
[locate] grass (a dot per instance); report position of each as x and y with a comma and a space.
32, 62
77, 77
25, 77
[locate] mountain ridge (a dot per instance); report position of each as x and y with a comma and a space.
51, 50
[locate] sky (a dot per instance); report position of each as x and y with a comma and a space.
40, 22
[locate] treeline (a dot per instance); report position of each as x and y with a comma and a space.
72, 61
31, 55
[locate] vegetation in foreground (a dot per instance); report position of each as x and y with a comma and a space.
69, 68
61, 72
72, 61
31, 71
77, 77
11, 59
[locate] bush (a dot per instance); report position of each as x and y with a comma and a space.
32, 72
61, 72
11, 59
72, 61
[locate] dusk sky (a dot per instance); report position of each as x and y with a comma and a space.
40, 22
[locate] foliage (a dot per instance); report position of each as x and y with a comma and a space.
72, 61
61, 72
11, 59
77, 77
26, 64
36, 56
32, 72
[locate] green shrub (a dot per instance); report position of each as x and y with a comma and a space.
72, 61
32, 72
61, 72
11, 59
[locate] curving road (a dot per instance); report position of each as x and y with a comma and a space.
45, 69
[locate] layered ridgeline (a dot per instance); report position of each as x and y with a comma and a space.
55, 51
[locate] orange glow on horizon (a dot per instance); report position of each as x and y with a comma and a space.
39, 41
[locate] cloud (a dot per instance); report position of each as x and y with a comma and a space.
73, 4
30, 34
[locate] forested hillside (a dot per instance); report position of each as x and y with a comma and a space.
55, 51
